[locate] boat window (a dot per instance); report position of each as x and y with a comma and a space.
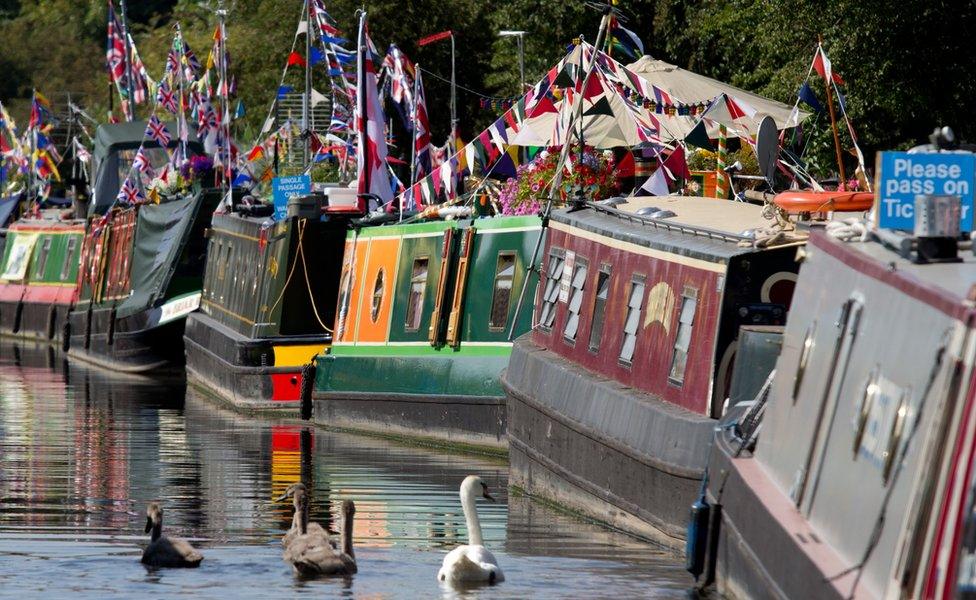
69, 256
635, 303
575, 300
501, 297
805, 352
418, 289
374, 312
42, 258
682, 342
550, 294
599, 307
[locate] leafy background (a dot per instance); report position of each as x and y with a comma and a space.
908, 65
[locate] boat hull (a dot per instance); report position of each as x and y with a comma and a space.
36, 320
130, 344
450, 399
250, 374
623, 457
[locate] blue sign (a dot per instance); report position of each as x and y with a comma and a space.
283, 188
904, 176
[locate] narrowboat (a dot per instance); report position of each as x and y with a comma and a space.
861, 482
424, 317
613, 395
39, 274
142, 265
268, 305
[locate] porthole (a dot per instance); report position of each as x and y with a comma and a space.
374, 312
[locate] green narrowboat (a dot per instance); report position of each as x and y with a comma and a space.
141, 266
268, 304
39, 274
423, 327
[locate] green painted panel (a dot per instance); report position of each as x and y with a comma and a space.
50, 262
489, 245
412, 249
460, 374
420, 350
402, 230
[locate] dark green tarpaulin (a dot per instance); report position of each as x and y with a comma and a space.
161, 231
113, 137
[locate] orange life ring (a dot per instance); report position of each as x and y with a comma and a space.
807, 201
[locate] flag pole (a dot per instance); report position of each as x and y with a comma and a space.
131, 112
413, 144
547, 210
833, 120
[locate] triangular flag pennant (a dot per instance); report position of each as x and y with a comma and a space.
698, 137
807, 96
677, 164
600, 107
656, 184
317, 98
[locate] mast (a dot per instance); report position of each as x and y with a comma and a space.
833, 120
225, 183
413, 140
306, 112
454, 119
131, 112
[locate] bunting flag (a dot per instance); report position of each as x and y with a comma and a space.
166, 98
141, 161
370, 122
129, 193
656, 184
807, 96
156, 130
140, 77
421, 134
81, 153
821, 64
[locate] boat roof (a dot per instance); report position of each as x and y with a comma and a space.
953, 281
703, 228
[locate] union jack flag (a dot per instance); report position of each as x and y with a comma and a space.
129, 193
115, 49
156, 130
166, 98
370, 123
141, 161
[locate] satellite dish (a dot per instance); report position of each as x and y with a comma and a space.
767, 147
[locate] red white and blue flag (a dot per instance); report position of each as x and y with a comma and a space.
166, 98
156, 130
115, 48
370, 122
421, 134
129, 193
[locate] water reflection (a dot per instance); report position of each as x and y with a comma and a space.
82, 453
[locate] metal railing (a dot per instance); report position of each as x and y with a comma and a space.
695, 230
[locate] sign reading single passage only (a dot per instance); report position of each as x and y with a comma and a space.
904, 176
283, 188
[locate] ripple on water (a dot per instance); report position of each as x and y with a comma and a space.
82, 453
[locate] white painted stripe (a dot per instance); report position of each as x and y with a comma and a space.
407, 237
638, 249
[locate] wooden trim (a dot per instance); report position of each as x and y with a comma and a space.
457, 301
434, 332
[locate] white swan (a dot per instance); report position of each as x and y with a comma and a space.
472, 563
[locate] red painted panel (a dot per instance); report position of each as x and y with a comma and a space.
48, 294
286, 387
11, 292
655, 341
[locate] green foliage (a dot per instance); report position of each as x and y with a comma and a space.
907, 65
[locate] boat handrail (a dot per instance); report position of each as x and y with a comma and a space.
671, 226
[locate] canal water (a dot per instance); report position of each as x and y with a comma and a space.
83, 452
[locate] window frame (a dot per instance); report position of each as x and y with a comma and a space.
419, 316
375, 308
40, 265
635, 279
70, 250
560, 254
606, 269
494, 289
584, 263
694, 294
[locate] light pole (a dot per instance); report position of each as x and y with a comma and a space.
521, 52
